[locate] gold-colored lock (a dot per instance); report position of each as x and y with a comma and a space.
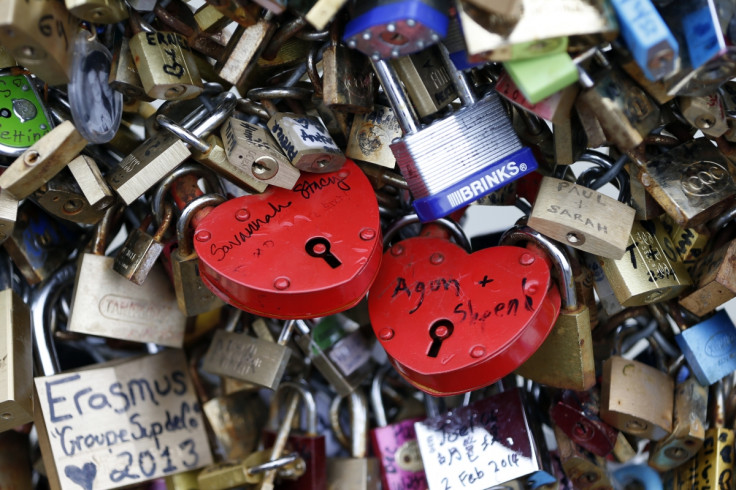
90, 180
370, 137
690, 243
565, 358
584, 469
192, 296
582, 218
16, 363
8, 215
688, 427
713, 466
243, 49
42, 160
62, 197
427, 82
215, 158
637, 398
693, 182
99, 11
649, 271
123, 73
38, 35
715, 276
6, 59
253, 148
165, 63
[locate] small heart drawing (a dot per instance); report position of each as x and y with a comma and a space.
83, 476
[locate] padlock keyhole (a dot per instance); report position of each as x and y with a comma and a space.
439, 332
319, 247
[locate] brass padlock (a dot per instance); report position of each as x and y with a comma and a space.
165, 63
38, 35
650, 270
426, 80
139, 252
106, 304
713, 465
8, 215
582, 218
565, 359
693, 182
42, 160
98, 11
637, 398
16, 363
62, 197
688, 427
243, 49
370, 137
713, 274
192, 296
251, 147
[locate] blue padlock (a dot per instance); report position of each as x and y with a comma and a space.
710, 348
648, 37
385, 29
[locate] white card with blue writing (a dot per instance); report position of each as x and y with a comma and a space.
478, 446
122, 423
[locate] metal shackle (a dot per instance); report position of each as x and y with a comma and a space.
309, 405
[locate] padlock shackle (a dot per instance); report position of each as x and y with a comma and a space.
358, 440
379, 411
560, 261
397, 97
157, 201
459, 79
44, 349
310, 405
183, 134
184, 231
455, 230
284, 33
270, 93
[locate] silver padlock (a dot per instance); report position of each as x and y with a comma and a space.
458, 159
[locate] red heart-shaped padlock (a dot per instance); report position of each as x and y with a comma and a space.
307, 252
452, 322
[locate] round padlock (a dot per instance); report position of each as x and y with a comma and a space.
307, 252
453, 322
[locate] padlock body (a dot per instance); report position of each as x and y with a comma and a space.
637, 398
371, 135
714, 275
348, 80
137, 256
192, 295
312, 448
577, 415
565, 358
16, 362
649, 271
247, 358
106, 304
98, 11
426, 80
490, 321
259, 253
480, 166
166, 65
710, 347
236, 420
357, 473
397, 451
693, 182
582, 218
38, 36
306, 142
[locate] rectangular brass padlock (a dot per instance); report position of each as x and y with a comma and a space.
120, 423
582, 218
370, 137
16, 362
243, 357
715, 276
426, 80
38, 35
637, 398
693, 182
254, 149
650, 270
8, 215
117, 308
42, 160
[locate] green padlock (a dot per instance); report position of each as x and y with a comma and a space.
23, 118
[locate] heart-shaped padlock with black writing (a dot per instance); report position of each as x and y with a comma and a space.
453, 322
307, 252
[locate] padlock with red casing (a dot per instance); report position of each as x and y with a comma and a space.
305, 252
452, 322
